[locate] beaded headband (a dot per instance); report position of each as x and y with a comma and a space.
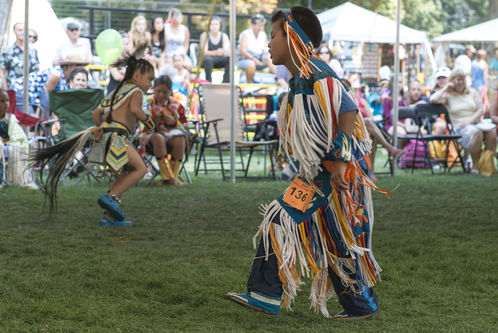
301, 44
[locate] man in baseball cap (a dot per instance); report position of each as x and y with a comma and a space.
75, 44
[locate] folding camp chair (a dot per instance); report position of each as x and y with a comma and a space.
73, 109
215, 132
426, 115
16, 108
153, 168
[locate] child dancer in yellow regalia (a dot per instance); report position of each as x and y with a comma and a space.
115, 120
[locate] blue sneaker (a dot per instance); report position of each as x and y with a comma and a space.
257, 301
108, 222
105, 201
343, 315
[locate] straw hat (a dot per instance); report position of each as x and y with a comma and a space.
74, 58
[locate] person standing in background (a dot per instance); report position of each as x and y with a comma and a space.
464, 63
479, 72
75, 44
12, 60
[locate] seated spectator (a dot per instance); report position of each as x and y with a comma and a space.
493, 67
493, 71
169, 137
216, 46
377, 96
465, 108
493, 108
13, 146
155, 62
55, 78
374, 132
138, 33
441, 76
413, 97
181, 78
12, 60
326, 54
177, 36
158, 40
282, 77
78, 79
253, 49
75, 44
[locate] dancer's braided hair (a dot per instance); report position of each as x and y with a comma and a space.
133, 62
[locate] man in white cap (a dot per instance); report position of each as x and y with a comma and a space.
75, 44
464, 62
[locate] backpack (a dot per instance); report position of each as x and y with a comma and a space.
420, 155
266, 130
486, 163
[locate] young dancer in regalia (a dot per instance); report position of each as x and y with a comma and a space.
169, 137
322, 224
115, 119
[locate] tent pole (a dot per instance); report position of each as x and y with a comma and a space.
431, 56
396, 80
26, 57
233, 96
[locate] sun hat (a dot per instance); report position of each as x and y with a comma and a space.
72, 26
74, 58
442, 72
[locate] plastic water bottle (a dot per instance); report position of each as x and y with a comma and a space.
141, 150
287, 173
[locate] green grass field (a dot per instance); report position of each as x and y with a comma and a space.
436, 240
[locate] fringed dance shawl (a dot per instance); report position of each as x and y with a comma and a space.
335, 229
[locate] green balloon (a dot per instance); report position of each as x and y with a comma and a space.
109, 46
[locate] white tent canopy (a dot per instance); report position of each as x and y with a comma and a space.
350, 22
483, 32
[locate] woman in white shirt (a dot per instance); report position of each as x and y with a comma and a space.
465, 109
177, 35
253, 49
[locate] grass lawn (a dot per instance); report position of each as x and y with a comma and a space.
436, 240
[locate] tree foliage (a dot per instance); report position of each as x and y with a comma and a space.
435, 17
432, 16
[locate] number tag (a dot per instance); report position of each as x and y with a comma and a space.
299, 194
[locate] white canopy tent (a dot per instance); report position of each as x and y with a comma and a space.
349, 22
483, 32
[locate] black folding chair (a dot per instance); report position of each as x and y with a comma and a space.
426, 115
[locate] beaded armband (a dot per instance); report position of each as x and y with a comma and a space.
148, 123
343, 147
